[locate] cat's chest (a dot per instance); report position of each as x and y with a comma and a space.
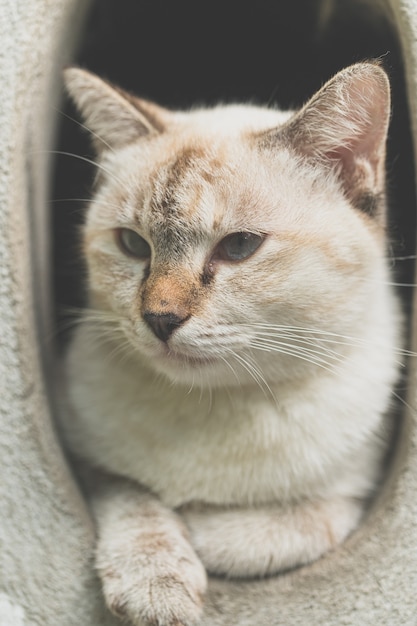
234, 446
220, 463
186, 447
184, 459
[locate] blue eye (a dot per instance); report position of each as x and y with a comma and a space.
133, 244
238, 246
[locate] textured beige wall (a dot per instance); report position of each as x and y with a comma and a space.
45, 534
46, 537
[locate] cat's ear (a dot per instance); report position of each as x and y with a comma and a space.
114, 117
344, 126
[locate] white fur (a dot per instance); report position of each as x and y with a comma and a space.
264, 450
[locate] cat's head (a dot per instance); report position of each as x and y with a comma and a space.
234, 244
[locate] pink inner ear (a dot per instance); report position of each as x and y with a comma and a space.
346, 125
347, 155
114, 117
366, 147
366, 101
341, 155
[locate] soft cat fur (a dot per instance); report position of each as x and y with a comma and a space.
237, 359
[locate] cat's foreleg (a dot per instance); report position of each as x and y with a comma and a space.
149, 571
262, 541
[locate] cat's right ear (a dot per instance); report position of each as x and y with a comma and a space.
344, 128
114, 117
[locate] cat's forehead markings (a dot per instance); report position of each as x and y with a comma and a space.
177, 185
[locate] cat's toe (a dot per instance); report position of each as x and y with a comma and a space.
165, 594
174, 603
169, 602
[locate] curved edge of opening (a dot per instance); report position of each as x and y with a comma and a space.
400, 457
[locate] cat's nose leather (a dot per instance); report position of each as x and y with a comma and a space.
163, 324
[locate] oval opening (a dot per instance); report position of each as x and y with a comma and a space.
183, 53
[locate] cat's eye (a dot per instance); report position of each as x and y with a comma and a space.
238, 246
133, 244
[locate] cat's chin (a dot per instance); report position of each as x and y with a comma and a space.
186, 369
192, 370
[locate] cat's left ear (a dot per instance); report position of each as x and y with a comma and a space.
114, 117
344, 126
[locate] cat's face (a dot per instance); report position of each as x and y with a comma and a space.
224, 248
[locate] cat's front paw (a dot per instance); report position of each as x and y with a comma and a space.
266, 540
158, 581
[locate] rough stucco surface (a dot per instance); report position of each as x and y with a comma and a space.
46, 536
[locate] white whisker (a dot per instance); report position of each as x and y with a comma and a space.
229, 365
254, 371
412, 410
85, 127
318, 349
293, 347
410, 257
325, 336
99, 166
330, 367
122, 350
87, 201
387, 282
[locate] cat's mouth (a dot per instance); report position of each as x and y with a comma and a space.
187, 359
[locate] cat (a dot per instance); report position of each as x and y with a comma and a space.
232, 373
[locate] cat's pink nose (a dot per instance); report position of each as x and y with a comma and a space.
163, 324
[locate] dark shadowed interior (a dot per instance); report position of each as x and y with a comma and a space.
186, 52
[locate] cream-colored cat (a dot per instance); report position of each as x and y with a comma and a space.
237, 358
